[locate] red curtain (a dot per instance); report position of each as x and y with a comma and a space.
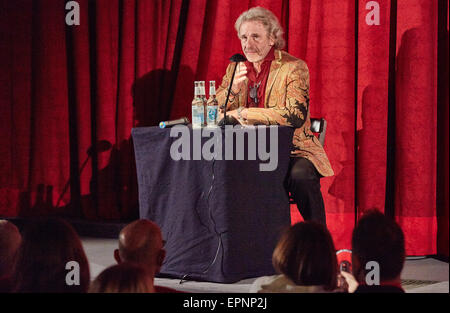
69, 96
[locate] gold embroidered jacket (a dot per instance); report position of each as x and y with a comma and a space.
286, 103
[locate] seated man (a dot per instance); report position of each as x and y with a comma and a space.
272, 88
380, 239
123, 278
141, 242
10, 240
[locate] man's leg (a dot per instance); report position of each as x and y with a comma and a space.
303, 183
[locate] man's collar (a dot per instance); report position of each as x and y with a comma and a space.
278, 54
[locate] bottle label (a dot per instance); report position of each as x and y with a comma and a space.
212, 88
211, 116
197, 115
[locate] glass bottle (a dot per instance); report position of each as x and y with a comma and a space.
212, 105
198, 110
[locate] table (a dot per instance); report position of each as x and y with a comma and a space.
221, 218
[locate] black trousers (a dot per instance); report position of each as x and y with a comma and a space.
303, 182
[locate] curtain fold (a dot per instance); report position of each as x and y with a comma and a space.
442, 202
69, 96
372, 108
416, 120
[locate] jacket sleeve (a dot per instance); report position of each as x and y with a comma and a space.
295, 109
221, 93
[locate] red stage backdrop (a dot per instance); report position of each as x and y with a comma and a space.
69, 96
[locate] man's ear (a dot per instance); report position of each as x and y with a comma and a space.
272, 41
117, 256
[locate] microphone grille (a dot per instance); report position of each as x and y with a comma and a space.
238, 58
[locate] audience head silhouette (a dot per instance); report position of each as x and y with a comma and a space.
306, 255
10, 240
47, 247
141, 242
123, 278
378, 238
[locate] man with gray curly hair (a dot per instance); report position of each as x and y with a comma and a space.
272, 88
266, 18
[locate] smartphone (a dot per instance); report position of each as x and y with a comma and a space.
345, 266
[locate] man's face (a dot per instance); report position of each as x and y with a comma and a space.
255, 41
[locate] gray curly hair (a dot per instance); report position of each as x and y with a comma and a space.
268, 19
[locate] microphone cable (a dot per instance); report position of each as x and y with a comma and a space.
218, 235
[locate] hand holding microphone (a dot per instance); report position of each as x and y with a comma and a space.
241, 76
237, 58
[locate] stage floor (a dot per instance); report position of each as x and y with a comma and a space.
427, 275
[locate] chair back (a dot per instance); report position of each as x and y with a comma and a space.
319, 126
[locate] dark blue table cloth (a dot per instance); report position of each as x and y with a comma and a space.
221, 219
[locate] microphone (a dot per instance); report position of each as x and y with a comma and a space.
179, 121
236, 59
